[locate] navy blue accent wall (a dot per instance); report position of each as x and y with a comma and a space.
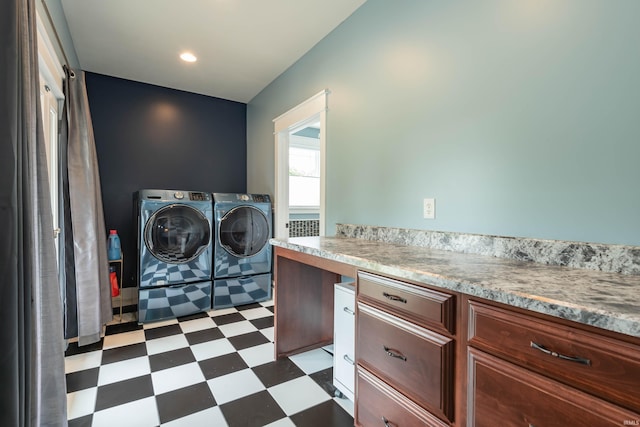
154, 137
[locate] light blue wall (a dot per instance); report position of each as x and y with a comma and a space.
521, 118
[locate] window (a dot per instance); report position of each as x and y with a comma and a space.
49, 105
304, 174
51, 97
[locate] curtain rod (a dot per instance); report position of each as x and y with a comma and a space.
55, 33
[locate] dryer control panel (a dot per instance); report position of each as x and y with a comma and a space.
241, 198
261, 198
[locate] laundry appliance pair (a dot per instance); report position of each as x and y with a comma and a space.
199, 250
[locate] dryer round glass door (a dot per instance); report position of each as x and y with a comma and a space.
177, 234
243, 231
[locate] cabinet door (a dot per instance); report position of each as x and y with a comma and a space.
344, 339
503, 394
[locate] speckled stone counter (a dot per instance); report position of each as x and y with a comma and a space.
602, 299
592, 256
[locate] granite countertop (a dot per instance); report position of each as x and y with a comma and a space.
605, 300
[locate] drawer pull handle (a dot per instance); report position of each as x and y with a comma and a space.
394, 297
348, 310
394, 353
386, 422
348, 359
581, 360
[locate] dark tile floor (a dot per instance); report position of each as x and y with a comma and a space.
210, 369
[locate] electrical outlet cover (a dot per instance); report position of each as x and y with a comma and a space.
429, 208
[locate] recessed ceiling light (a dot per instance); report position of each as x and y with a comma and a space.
188, 57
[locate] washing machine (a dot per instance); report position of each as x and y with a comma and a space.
242, 253
175, 249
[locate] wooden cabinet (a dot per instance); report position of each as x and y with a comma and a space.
401, 345
303, 294
427, 307
528, 369
503, 394
344, 311
378, 404
418, 362
432, 357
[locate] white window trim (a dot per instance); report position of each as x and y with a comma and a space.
316, 106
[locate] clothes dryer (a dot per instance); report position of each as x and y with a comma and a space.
174, 253
242, 252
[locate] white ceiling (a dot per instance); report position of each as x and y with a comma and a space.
241, 45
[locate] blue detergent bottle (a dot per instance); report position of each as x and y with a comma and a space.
113, 246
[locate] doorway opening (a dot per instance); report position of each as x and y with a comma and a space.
300, 139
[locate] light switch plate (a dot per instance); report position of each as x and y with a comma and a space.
429, 208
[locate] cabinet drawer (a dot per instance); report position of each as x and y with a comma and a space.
414, 360
503, 394
420, 305
603, 366
378, 403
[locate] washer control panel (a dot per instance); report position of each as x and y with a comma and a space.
198, 196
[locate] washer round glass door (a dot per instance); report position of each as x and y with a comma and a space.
177, 234
244, 231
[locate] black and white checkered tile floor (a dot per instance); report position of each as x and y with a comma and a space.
210, 369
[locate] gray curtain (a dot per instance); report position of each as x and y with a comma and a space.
33, 390
88, 293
